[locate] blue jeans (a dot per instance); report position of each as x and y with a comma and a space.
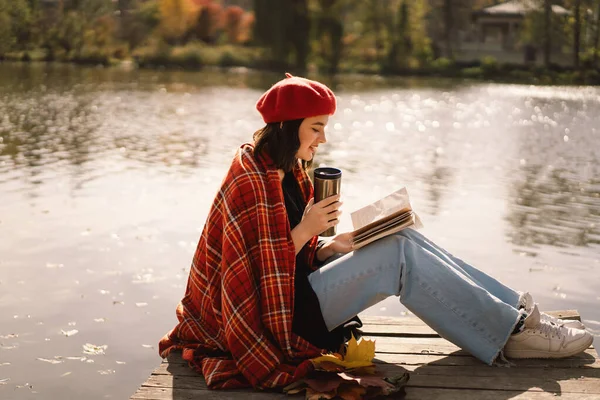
462, 304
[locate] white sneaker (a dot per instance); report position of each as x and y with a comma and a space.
527, 302
543, 339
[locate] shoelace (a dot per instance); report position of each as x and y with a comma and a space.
549, 329
550, 318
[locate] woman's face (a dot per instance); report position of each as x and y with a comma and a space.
311, 134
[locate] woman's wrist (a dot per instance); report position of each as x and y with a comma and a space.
325, 252
300, 236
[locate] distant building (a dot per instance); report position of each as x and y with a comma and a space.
496, 31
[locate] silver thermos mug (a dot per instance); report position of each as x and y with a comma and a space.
327, 181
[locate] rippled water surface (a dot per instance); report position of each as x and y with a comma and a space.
106, 177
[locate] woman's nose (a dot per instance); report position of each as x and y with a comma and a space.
323, 138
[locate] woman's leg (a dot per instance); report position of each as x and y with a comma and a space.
496, 288
448, 298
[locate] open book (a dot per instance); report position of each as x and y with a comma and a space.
388, 215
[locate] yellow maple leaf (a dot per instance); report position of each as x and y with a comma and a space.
358, 355
360, 351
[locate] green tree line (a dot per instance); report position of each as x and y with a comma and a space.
331, 35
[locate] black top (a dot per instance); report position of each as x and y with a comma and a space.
307, 320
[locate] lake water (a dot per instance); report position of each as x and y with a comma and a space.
107, 175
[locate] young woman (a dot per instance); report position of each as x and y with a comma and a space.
264, 295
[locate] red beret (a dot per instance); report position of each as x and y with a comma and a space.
295, 98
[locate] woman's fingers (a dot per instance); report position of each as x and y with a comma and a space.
329, 201
334, 215
333, 207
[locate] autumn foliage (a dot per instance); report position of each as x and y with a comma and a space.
205, 20
349, 376
176, 18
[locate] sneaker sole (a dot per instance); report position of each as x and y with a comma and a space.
520, 354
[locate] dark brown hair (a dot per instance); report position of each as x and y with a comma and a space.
281, 142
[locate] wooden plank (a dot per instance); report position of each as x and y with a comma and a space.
416, 393
516, 381
584, 360
435, 369
438, 368
160, 393
587, 359
416, 345
413, 326
412, 393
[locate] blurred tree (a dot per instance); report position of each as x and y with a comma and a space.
576, 33
401, 44
246, 27
547, 32
232, 23
448, 29
283, 26
597, 35
330, 32
176, 19
209, 22
15, 25
7, 39
139, 22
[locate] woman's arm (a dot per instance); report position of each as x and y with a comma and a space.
300, 236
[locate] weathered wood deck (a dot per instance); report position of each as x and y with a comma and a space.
438, 370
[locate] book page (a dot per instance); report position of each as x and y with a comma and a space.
380, 209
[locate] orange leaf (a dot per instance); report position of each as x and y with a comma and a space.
330, 367
314, 395
351, 392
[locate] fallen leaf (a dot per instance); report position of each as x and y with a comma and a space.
369, 370
81, 358
351, 392
324, 383
314, 395
366, 380
360, 351
106, 371
94, 350
51, 361
330, 366
297, 387
10, 336
330, 359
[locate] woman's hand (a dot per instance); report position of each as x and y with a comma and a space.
341, 243
319, 217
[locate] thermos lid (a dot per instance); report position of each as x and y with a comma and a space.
327, 173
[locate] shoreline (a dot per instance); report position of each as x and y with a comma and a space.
227, 59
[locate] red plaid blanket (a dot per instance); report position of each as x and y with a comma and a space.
235, 320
